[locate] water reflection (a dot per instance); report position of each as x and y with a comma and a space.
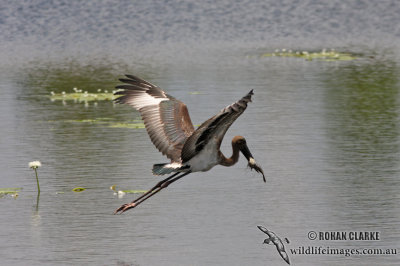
69, 73
362, 117
355, 190
362, 134
75, 139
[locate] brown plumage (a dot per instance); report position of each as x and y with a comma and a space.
158, 111
170, 128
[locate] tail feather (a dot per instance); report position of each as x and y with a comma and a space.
168, 168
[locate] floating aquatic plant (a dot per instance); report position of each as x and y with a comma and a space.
323, 55
78, 189
134, 191
79, 96
10, 191
35, 165
122, 193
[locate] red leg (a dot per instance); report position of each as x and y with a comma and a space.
154, 190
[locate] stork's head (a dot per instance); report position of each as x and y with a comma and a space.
267, 241
240, 142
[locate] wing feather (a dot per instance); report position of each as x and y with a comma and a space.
215, 127
166, 119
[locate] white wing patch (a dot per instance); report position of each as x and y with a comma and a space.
173, 165
144, 99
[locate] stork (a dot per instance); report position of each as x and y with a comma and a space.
275, 240
170, 128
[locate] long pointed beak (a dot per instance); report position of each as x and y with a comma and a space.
246, 152
252, 162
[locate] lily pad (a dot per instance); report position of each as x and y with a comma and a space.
134, 191
78, 189
9, 190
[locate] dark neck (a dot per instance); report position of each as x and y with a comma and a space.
232, 160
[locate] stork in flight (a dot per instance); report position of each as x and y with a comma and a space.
168, 124
275, 240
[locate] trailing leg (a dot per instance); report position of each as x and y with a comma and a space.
154, 190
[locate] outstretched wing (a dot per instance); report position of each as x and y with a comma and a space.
283, 254
215, 127
265, 230
166, 119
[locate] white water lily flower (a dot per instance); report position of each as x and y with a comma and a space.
35, 164
121, 194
